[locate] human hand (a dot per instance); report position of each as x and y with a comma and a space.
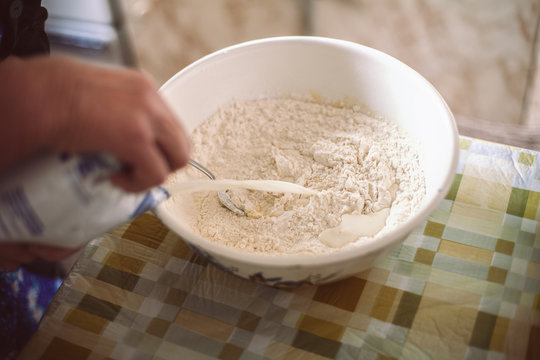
13, 255
63, 105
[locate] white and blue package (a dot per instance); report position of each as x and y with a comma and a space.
67, 200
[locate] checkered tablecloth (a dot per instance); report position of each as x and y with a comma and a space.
464, 284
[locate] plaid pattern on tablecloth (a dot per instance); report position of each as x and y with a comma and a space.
464, 284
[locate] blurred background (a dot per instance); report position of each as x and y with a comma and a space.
482, 55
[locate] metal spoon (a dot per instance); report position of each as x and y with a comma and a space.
224, 199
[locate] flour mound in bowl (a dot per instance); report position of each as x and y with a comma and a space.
360, 165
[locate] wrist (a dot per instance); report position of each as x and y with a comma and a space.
31, 99
16, 137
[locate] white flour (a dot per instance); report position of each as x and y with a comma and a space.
359, 164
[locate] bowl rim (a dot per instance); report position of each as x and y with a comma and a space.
386, 240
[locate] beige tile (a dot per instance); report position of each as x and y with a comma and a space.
170, 34
476, 53
532, 100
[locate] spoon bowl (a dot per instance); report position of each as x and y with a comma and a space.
224, 199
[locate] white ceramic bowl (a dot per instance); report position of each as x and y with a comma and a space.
335, 69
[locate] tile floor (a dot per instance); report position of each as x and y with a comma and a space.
480, 54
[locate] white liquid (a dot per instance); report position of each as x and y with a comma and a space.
218, 185
354, 226
351, 227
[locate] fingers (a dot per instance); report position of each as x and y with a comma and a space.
9, 266
149, 169
12, 256
171, 138
50, 253
159, 146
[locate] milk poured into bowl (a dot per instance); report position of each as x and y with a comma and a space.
275, 67
364, 172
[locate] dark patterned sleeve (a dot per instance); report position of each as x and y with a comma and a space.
23, 28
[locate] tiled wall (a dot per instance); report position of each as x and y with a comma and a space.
477, 53
170, 34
